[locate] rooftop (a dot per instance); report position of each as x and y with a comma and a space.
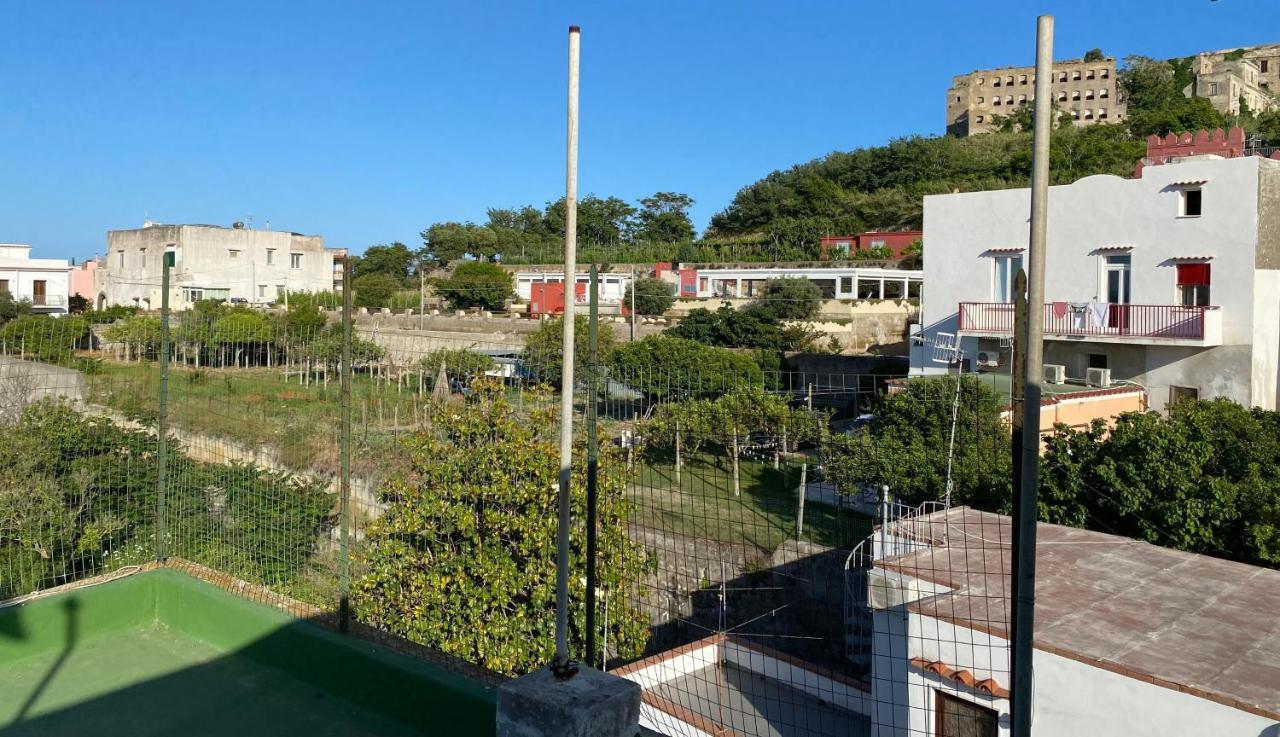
162, 652
1200, 624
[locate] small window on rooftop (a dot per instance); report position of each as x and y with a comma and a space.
1191, 203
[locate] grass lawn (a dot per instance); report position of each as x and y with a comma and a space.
703, 504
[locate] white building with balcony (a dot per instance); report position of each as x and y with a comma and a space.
43, 282
1170, 280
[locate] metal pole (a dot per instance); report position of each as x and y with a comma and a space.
1024, 553
593, 463
344, 458
422, 296
561, 663
633, 304
162, 417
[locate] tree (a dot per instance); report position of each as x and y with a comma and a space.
75, 304
1094, 54
747, 410
1153, 92
666, 367
906, 446
139, 334
463, 558
450, 241
1206, 479
601, 221
730, 328
374, 290
250, 334
543, 355
42, 337
394, 260
789, 299
11, 308
652, 296
459, 364
476, 284
664, 217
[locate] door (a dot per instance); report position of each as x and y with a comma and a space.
1117, 280
38, 292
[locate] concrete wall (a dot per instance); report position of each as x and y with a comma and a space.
1102, 211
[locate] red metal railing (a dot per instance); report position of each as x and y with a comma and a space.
1173, 322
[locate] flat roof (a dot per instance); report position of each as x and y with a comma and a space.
1203, 625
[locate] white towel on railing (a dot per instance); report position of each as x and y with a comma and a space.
1079, 315
1100, 315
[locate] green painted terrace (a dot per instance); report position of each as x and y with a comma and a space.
164, 653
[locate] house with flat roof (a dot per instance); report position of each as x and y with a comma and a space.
1130, 639
42, 282
1168, 280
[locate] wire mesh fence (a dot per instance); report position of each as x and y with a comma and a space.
747, 573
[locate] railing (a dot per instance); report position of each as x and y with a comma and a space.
47, 300
1172, 322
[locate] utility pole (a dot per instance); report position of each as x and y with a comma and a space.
1022, 626
561, 665
633, 304
422, 296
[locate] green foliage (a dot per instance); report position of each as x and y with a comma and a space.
77, 493
140, 333
109, 314
789, 299
303, 321
394, 260
543, 355
652, 296
476, 284
76, 305
445, 242
749, 328
458, 364
1206, 479
322, 300
373, 290
664, 217
243, 325
668, 367
905, 446
1157, 105
468, 538
1094, 54
11, 308
44, 338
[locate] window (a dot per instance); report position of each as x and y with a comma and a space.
1009, 80
846, 285
1103, 93
295, 261
1008, 100
868, 289
233, 253
1102, 114
996, 101
1088, 94
1098, 361
1075, 94
1088, 115
1075, 76
996, 83
262, 291
1089, 74
982, 80
1005, 269
4, 286
959, 718
271, 256
120, 259
1022, 99
979, 118
1180, 393
142, 258
1213, 89
877, 243
1062, 77
1193, 285
1191, 203
279, 292
1062, 96
1022, 79
1105, 73
1264, 65
981, 100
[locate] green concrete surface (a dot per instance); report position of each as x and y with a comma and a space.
161, 653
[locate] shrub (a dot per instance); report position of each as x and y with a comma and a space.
653, 296
476, 284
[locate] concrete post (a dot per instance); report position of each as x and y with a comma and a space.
589, 704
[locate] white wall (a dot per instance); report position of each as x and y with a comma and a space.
1102, 211
22, 272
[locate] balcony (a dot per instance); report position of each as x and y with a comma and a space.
47, 301
1132, 324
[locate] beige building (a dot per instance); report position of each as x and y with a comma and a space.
236, 264
1085, 89
1227, 77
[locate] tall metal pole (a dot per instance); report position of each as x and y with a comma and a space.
1024, 522
633, 304
344, 458
422, 296
593, 462
162, 417
561, 662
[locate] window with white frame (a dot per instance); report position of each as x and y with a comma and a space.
142, 258
233, 253
1193, 284
271, 256
295, 261
1004, 268
1190, 202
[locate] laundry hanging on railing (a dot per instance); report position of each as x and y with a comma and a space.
1100, 315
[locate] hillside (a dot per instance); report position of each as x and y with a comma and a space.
881, 187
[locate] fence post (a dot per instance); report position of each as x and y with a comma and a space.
593, 461
344, 458
162, 416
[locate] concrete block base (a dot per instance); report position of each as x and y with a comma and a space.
590, 704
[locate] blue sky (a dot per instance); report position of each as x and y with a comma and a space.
367, 121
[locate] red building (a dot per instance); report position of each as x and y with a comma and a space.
844, 246
548, 298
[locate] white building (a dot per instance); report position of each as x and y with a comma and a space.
613, 287
835, 283
1170, 280
211, 262
41, 281
1131, 640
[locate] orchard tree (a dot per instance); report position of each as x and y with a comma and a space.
665, 367
652, 296
463, 558
543, 355
476, 284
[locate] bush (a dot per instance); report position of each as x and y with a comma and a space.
653, 296
543, 354
373, 290
476, 284
44, 338
661, 367
792, 298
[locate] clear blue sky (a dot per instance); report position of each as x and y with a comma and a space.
367, 121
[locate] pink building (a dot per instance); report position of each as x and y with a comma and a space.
82, 279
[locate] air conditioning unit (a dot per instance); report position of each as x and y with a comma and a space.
988, 359
1055, 373
1098, 377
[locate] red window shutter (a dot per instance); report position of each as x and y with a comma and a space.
1193, 274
